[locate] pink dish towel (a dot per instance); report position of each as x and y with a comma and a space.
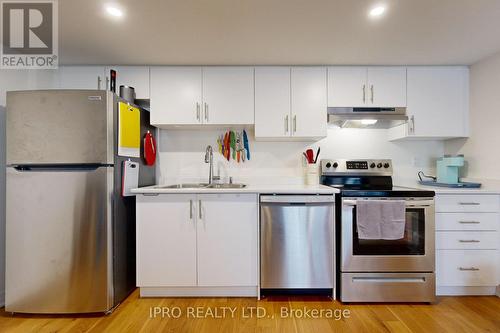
381, 219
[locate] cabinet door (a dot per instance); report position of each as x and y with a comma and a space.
227, 240
438, 101
272, 102
386, 87
309, 102
166, 240
176, 95
347, 87
228, 95
82, 77
133, 76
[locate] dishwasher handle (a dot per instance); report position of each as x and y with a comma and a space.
297, 199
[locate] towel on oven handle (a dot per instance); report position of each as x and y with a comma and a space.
381, 219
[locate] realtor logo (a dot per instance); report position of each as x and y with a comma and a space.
29, 34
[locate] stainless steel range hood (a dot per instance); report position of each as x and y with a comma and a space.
367, 117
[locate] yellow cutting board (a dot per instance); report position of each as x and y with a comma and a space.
129, 130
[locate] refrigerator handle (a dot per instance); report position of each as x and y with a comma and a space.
55, 168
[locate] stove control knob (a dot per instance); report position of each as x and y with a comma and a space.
335, 164
386, 165
372, 165
328, 165
379, 165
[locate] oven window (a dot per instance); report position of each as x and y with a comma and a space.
413, 242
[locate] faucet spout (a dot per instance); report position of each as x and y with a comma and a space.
209, 158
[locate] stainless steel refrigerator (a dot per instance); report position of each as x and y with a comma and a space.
70, 235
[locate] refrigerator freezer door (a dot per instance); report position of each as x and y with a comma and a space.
59, 126
58, 251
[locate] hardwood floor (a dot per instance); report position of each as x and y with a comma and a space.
450, 314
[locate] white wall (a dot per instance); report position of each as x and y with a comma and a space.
182, 155
481, 149
2, 205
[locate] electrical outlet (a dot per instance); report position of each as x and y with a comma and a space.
417, 161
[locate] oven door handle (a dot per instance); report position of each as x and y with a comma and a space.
409, 203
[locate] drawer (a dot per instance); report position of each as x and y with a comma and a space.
485, 203
467, 240
388, 287
467, 221
466, 267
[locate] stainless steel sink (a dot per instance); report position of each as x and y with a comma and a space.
203, 185
186, 185
234, 185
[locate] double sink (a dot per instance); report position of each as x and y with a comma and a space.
202, 185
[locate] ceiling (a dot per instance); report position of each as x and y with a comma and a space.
305, 32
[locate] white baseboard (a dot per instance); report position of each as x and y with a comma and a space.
466, 291
199, 291
498, 291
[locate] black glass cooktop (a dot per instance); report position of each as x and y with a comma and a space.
371, 186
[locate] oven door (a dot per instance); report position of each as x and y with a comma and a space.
413, 253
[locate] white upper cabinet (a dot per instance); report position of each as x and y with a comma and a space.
272, 102
176, 97
386, 87
347, 86
196, 95
228, 95
82, 77
309, 102
290, 103
132, 76
367, 86
438, 103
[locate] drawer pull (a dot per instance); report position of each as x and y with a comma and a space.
469, 203
469, 222
468, 268
469, 241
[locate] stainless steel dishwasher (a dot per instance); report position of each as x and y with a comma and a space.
296, 243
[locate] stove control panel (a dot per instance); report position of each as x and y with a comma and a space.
356, 167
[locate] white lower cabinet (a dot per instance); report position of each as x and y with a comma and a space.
227, 240
166, 240
196, 240
467, 244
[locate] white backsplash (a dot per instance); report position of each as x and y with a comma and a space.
182, 153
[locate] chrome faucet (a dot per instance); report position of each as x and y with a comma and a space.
209, 158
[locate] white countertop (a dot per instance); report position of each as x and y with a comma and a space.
487, 187
250, 188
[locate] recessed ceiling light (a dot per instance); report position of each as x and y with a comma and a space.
377, 11
114, 11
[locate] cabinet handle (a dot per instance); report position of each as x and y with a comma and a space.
206, 112
198, 111
468, 268
364, 93
469, 222
468, 241
199, 209
373, 94
190, 209
469, 203
286, 124
294, 124
412, 125
99, 83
